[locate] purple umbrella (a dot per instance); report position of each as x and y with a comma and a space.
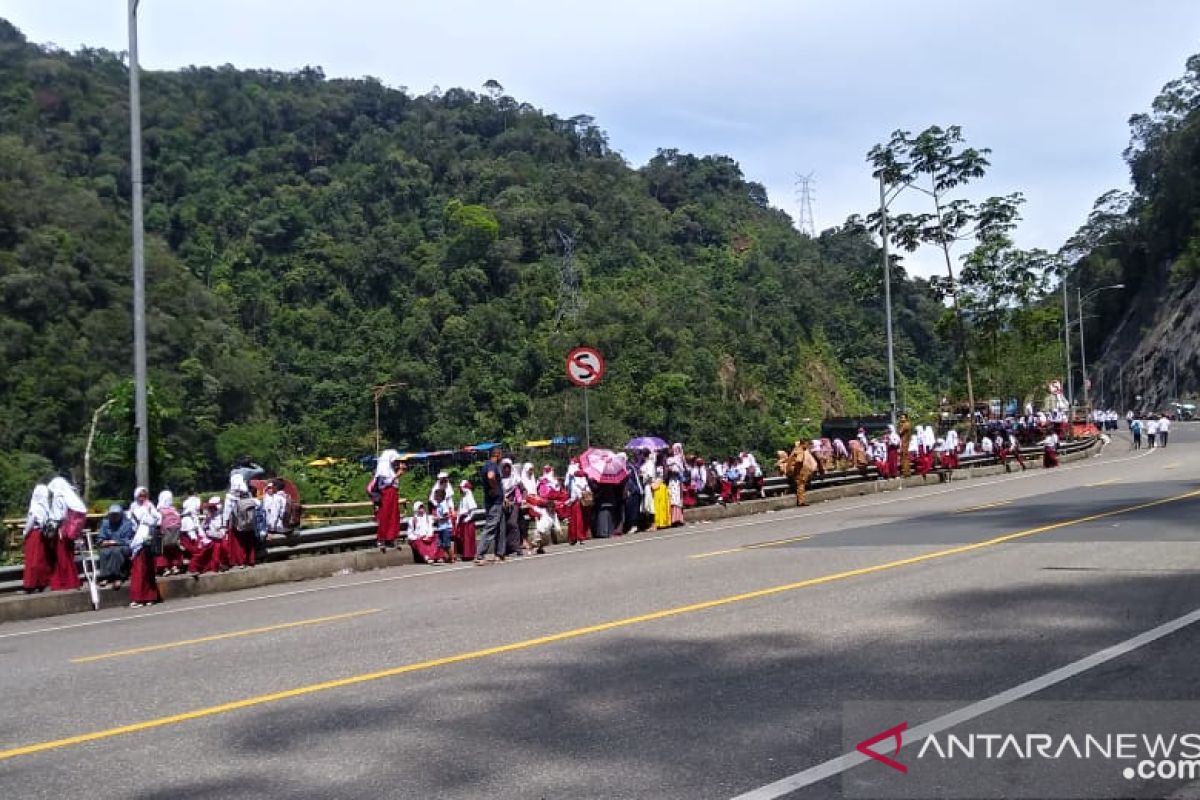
646, 443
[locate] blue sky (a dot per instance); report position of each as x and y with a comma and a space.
783, 87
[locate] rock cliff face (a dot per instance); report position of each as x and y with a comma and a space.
1154, 352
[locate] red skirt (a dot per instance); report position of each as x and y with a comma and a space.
428, 549
201, 557
1049, 457
38, 567
171, 557
464, 538
65, 574
388, 517
142, 586
577, 522
689, 496
239, 548
893, 462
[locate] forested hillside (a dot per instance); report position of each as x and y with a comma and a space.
1145, 339
310, 238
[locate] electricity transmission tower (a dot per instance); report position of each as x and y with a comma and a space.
570, 299
805, 188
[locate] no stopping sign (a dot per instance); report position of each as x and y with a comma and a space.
585, 366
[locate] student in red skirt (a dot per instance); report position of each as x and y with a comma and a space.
384, 486
1050, 451
68, 512
201, 551
423, 538
38, 569
464, 527
171, 560
143, 590
241, 546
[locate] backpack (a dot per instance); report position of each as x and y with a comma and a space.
291, 516
245, 514
260, 522
374, 492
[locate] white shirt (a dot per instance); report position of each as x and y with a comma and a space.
1164, 425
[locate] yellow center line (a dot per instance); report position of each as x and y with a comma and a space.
562, 636
982, 507
751, 547
151, 648
1108, 482
1171, 466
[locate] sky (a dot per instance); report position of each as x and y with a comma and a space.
785, 88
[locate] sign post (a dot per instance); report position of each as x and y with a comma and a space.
585, 368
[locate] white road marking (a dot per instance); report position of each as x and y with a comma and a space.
690, 530
842, 763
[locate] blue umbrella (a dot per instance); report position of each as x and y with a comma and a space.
646, 443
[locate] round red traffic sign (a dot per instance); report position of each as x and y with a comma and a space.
585, 366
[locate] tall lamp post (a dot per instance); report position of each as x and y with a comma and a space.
141, 421
887, 297
1079, 298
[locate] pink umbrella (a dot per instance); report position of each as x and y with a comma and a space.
603, 466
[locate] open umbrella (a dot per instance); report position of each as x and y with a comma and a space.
646, 443
603, 466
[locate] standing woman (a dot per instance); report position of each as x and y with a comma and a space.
241, 545
632, 519
1050, 450
662, 500
38, 565
384, 486
577, 515
464, 527
143, 590
677, 473
171, 560
69, 513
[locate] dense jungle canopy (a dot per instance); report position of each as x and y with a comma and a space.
309, 238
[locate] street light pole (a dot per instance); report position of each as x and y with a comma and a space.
1082, 350
141, 421
887, 299
1079, 298
1067, 342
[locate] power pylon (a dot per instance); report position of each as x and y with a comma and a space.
806, 189
570, 298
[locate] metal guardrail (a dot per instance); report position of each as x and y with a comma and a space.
361, 534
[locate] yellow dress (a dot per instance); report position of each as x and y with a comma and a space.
662, 505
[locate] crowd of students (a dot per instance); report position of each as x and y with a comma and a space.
148, 539
523, 511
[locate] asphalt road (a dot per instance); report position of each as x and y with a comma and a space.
704, 663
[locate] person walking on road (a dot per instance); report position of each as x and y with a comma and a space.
1164, 428
1135, 428
1151, 431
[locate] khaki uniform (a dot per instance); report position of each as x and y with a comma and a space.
905, 439
800, 468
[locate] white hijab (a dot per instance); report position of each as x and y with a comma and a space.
143, 517
64, 498
528, 482
385, 474
39, 509
166, 499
